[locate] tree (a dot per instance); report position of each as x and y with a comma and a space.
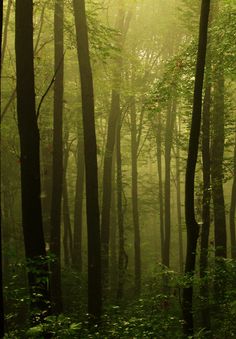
217, 162
178, 197
122, 256
233, 207
29, 158
206, 158
78, 206
134, 194
57, 162
122, 25
90, 156
191, 223
170, 120
1, 281
160, 183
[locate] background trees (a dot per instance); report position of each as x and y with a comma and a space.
137, 71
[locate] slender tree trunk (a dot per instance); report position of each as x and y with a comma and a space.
137, 246
90, 150
67, 236
205, 205
191, 223
78, 209
121, 25
30, 163
168, 143
178, 200
122, 259
159, 170
217, 164
107, 175
233, 208
1, 268
1, 277
113, 245
57, 161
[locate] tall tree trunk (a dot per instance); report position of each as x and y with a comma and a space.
191, 223
1, 268
134, 154
57, 161
171, 112
122, 257
90, 150
122, 25
178, 200
205, 204
67, 236
107, 175
233, 208
30, 163
159, 170
217, 164
113, 242
78, 208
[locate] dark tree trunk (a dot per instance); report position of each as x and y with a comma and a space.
168, 144
90, 150
217, 164
30, 164
233, 208
78, 207
57, 161
205, 204
191, 223
159, 170
134, 156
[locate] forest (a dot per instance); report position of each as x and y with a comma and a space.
118, 169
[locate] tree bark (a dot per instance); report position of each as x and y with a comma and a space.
191, 223
30, 163
121, 25
217, 164
122, 256
57, 161
171, 113
1, 268
90, 155
178, 200
135, 212
78, 207
233, 208
159, 170
205, 205
67, 236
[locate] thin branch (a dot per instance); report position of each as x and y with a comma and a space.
141, 147
49, 86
